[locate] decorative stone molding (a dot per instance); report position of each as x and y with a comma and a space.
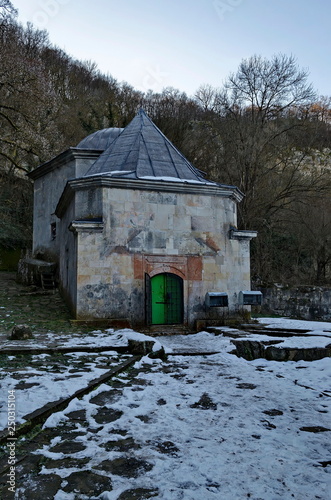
63, 158
86, 226
101, 181
242, 234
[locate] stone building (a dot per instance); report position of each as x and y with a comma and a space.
139, 235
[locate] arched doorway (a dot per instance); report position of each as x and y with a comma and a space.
166, 299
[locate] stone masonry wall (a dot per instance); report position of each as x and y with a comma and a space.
153, 232
309, 303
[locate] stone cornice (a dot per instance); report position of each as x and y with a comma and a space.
242, 234
144, 185
63, 158
85, 225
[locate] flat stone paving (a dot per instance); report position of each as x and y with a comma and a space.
86, 484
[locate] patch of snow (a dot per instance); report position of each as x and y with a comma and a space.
128, 334
49, 454
296, 341
176, 179
110, 174
62, 495
54, 420
146, 360
199, 342
286, 323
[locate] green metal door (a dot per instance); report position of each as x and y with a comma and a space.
167, 299
158, 287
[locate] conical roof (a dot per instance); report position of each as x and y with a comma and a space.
142, 151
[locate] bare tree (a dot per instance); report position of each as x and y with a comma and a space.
262, 128
207, 97
257, 110
7, 9
270, 87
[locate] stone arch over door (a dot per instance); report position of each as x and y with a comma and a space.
185, 267
166, 269
165, 299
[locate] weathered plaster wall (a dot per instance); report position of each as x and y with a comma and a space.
310, 303
89, 204
151, 232
68, 258
47, 191
84, 160
106, 288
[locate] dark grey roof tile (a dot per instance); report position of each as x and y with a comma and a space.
144, 149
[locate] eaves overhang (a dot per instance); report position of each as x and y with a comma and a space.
63, 158
185, 187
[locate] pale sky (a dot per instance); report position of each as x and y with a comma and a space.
152, 44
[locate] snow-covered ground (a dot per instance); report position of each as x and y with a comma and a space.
96, 338
209, 426
49, 379
297, 324
228, 449
212, 427
53, 378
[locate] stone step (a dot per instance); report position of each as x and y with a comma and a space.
156, 330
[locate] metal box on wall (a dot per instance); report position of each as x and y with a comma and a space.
250, 298
216, 299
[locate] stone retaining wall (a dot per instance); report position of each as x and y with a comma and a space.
309, 303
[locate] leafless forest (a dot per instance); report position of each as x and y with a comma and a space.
265, 130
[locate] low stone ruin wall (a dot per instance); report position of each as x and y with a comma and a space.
254, 349
309, 303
